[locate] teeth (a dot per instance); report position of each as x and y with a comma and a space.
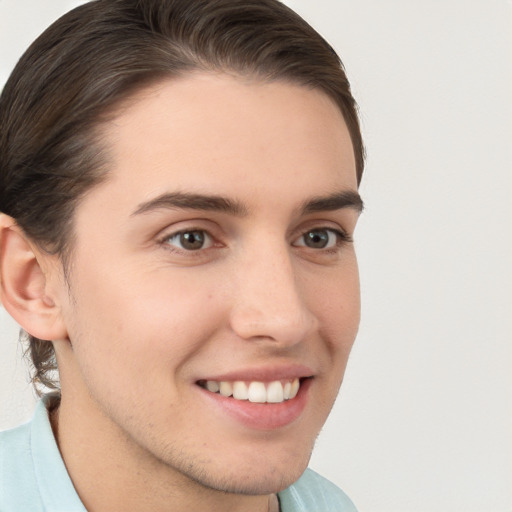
287, 390
275, 392
294, 388
212, 386
240, 391
258, 392
226, 389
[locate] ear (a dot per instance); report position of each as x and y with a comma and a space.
27, 277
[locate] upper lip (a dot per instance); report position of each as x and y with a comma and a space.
265, 373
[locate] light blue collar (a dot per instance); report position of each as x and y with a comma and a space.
55, 486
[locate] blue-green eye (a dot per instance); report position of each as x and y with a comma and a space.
319, 239
192, 240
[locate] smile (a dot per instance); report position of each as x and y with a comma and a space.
274, 392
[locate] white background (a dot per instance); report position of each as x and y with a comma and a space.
424, 419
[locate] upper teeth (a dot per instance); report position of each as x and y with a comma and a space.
260, 392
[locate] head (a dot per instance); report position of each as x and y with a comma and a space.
69, 117
67, 85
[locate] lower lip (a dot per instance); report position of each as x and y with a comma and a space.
264, 416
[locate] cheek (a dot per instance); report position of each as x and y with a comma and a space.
338, 307
151, 323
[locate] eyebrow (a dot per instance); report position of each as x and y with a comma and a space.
337, 201
187, 201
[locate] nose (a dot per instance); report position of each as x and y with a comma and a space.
269, 302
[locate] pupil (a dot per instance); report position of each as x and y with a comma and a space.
317, 239
192, 240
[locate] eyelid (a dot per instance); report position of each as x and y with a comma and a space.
185, 224
340, 226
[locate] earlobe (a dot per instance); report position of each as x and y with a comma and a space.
24, 284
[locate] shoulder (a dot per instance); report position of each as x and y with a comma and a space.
33, 477
14, 447
18, 487
314, 493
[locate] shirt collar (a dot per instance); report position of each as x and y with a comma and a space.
55, 486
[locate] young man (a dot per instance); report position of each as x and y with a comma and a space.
179, 195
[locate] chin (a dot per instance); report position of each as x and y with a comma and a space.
252, 476
265, 481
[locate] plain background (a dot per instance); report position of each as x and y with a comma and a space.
424, 419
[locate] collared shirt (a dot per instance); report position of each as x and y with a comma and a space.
33, 477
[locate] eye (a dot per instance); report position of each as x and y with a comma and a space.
190, 240
321, 238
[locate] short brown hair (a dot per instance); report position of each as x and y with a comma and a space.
102, 52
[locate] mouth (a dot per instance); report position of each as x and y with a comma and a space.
274, 392
262, 399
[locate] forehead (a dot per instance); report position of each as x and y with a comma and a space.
215, 131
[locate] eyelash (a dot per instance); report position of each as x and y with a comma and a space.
342, 238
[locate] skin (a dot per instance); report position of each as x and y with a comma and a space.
144, 319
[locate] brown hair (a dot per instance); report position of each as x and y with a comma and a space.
99, 54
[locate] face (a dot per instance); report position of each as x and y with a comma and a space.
217, 258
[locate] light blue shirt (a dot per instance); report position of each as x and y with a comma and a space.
33, 477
